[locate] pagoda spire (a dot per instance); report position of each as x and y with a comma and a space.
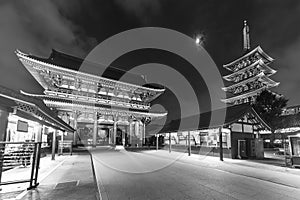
246, 37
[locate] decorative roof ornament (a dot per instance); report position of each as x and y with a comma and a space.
246, 37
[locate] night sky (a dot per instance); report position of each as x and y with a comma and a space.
76, 27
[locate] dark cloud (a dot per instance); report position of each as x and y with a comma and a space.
144, 10
275, 26
35, 27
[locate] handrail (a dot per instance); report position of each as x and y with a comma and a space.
21, 142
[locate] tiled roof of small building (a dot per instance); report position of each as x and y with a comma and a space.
36, 109
232, 114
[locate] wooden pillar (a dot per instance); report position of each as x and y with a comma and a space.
157, 135
137, 130
221, 143
60, 147
144, 134
130, 132
53, 144
95, 130
141, 133
109, 136
123, 138
186, 141
170, 148
75, 127
39, 134
3, 123
189, 143
115, 133
3, 126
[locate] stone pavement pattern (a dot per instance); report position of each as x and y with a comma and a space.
73, 179
160, 175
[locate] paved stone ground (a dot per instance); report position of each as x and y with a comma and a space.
18, 173
160, 175
73, 179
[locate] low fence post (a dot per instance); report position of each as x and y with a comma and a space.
33, 166
2, 146
38, 158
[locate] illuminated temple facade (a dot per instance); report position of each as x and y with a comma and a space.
101, 109
250, 74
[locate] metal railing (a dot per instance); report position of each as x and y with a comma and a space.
20, 154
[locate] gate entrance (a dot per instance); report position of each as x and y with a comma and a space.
121, 137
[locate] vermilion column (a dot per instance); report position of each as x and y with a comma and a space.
95, 130
137, 130
75, 127
115, 132
3, 126
144, 134
3, 123
130, 132
39, 134
54, 144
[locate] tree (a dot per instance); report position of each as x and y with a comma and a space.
269, 106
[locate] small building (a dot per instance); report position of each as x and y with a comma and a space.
291, 110
25, 126
294, 147
24, 118
240, 133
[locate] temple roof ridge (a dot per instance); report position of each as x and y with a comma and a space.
44, 62
233, 114
257, 49
261, 74
259, 62
55, 53
270, 81
244, 95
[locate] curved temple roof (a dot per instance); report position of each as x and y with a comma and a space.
257, 49
233, 114
267, 70
32, 108
70, 64
261, 77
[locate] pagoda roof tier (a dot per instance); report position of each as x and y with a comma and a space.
244, 95
86, 100
39, 67
257, 64
268, 81
73, 106
266, 59
261, 77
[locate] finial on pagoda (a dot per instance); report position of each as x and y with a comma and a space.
246, 37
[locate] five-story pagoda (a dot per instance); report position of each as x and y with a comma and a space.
250, 74
102, 109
